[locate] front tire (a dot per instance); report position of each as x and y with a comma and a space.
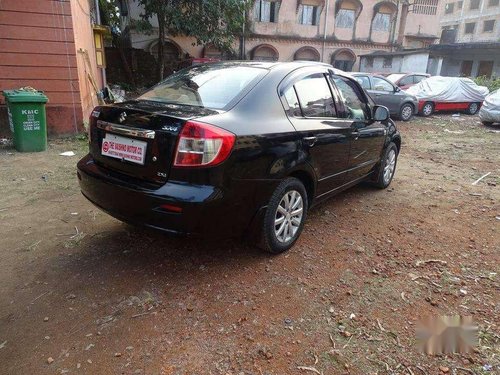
473, 108
387, 167
427, 109
285, 216
406, 112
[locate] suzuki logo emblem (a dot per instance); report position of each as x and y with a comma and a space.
123, 117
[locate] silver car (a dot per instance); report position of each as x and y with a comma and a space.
490, 110
384, 92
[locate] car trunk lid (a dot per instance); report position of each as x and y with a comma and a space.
138, 138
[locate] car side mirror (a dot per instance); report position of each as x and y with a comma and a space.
380, 113
397, 89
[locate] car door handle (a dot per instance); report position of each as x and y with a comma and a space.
310, 141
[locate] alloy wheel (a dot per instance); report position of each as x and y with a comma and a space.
390, 166
473, 108
288, 216
427, 110
406, 112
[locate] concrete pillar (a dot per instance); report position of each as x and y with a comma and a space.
475, 68
438, 67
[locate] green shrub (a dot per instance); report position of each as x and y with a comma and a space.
491, 83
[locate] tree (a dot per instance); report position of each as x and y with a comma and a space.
215, 22
110, 16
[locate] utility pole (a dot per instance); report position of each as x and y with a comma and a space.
327, 5
405, 9
243, 31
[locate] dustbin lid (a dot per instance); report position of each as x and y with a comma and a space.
25, 95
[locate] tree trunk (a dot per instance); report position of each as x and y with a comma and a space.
161, 41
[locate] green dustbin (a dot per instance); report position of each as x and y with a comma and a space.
27, 120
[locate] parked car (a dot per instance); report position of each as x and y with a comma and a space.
384, 92
237, 149
448, 94
405, 80
490, 110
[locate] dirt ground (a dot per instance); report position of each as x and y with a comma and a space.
82, 293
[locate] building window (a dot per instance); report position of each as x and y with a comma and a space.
369, 62
382, 22
493, 3
428, 7
474, 4
265, 52
345, 19
266, 11
488, 26
99, 49
466, 68
469, 27
449, 8
307, 54
343, 59
485, 69
308, 15
387, 62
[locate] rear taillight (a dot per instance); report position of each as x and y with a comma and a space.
202, 145
92, 121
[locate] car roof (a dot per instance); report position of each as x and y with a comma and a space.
355, 74
275, 65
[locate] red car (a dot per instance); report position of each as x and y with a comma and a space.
448, 94
404, 81
427, 107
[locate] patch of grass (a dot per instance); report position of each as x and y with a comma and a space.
75, 240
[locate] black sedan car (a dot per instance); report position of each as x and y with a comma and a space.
384, 92
240, 149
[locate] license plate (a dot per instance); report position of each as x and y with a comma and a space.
124, 148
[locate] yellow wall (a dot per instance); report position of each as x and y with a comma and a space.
84, 44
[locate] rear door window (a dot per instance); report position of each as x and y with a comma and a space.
293, 102
354, 102
364, 81
419, 78
380, 84
315, 97
408, 80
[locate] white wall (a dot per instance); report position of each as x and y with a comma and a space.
415, 63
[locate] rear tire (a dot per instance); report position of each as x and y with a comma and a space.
285, 216
427, 109
406, 112
473, 108
387, 167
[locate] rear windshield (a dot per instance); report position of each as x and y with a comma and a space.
209, 86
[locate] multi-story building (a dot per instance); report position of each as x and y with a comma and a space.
331, 31
470, 40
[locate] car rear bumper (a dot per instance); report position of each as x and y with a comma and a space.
207, 211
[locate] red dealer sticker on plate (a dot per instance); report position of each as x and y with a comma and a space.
124, 148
